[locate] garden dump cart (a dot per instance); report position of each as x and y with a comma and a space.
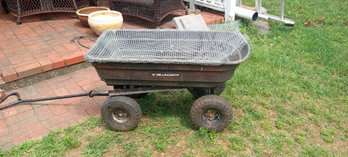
137, 62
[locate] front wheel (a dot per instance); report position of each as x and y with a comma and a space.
211, 112
121, 113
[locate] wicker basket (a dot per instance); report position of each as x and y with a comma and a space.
22, 8
151, 10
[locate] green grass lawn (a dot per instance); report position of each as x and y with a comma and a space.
289, 99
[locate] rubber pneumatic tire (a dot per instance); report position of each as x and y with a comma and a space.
222, 109
124, 106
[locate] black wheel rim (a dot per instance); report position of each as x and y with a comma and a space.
119, 115
212, 116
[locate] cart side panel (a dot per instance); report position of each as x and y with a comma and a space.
164, 74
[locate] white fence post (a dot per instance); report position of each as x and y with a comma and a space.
230, 9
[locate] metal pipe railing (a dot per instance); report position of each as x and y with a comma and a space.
230, 10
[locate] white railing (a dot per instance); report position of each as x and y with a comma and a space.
229, 8
226, 6
213, 4
280, 18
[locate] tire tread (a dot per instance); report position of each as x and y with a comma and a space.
124, 102
206, 101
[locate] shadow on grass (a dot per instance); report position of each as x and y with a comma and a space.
165, 105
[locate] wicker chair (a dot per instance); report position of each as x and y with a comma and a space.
151, 10
22, 8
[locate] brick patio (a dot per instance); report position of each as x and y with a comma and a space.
32, 121
43, 43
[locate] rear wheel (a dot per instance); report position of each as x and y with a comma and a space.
211, 112
121, 113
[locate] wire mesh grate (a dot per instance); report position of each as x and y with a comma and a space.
169, 47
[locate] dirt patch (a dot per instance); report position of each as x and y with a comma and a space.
114, 150
175, 150
84, 143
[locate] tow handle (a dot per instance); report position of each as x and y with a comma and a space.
19, 100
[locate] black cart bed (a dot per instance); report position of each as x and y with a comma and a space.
168, 58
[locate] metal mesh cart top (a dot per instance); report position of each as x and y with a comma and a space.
169, 47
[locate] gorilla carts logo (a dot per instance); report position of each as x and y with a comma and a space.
165, 75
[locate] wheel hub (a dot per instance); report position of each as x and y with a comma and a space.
211, 115
120, 116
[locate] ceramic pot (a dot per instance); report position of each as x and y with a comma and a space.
84, 12
101, 21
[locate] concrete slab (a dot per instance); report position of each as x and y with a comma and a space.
190, 22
